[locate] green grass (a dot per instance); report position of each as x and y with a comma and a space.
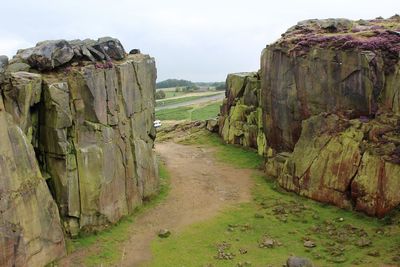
287, 219
206, 112
169, 94
166, 101
203, 112
181, 113
237, 156
110, 239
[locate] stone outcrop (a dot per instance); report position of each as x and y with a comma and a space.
240, 120
329, 95
30, 229
76, 152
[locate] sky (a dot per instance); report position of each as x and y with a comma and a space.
201, 40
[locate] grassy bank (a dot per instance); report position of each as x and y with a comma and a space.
277, 224
198, 112
108, 241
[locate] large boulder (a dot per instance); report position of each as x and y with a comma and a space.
3, 65
48, 55
111, 46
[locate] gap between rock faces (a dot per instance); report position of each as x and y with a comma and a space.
201, 187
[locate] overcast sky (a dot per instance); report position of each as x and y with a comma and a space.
199, 40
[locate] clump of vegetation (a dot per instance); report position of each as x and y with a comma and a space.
377, 40
220, 87
160, 94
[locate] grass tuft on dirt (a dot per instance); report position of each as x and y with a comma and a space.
108, 240
277, 224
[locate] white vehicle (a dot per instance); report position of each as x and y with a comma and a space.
157, 123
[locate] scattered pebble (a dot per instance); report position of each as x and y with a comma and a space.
363, 242
374, 253
309, 244
164, 233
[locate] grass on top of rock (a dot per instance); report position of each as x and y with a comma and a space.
108, 240
277, 224
196, 112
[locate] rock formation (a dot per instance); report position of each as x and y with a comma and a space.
77, 133
324, 109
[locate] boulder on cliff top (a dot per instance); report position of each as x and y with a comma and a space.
51, 54
3, 62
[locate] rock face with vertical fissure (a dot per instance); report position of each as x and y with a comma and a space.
76, 152
324, 109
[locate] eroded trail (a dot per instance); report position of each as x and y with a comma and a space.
200, 188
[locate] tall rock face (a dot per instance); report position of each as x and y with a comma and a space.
330, 99
30, 229
77, 147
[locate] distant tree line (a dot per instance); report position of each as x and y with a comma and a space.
186, 85
174, 83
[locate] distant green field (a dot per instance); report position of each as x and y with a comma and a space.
169, 94
166, 101
206, 112
190, 112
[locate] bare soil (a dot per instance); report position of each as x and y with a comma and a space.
200, 188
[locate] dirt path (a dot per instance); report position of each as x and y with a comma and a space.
200, 188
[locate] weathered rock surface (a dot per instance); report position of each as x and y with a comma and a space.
51, 54
241, 113
85, 128
325, 111
3, 65
30, 228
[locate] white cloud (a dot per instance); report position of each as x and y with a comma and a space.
199, 40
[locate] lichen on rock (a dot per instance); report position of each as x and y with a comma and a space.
78, 144
326, 103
